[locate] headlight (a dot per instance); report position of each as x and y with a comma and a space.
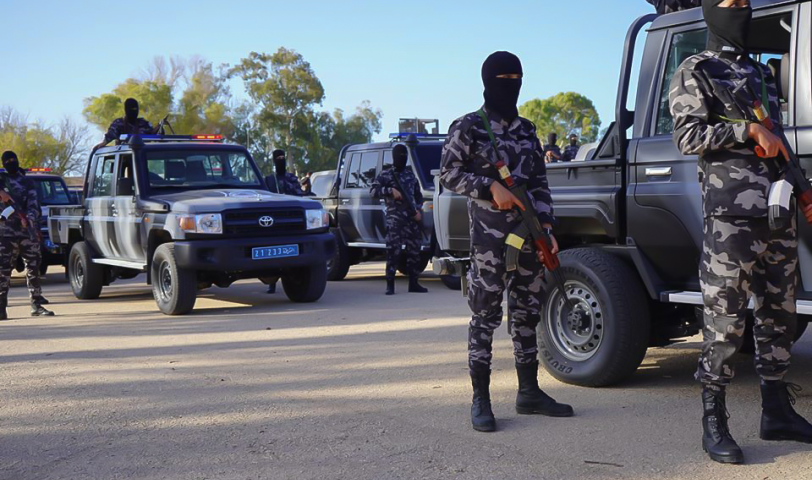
316, 218
204, 223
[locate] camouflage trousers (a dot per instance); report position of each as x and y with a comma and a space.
402, 238
487, 282
743, 258
29, 250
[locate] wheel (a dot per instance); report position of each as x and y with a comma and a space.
86, 278
174, 288
453, 282
339, 265
749, 339
305, 285
421, 266
609, 340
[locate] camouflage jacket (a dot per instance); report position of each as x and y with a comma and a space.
569, 153
288, 184
120, 126
735, 182
24, 193
468, 157
383, 185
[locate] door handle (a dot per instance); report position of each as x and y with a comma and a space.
345, 201
658, 172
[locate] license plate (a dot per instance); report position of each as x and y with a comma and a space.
281, 251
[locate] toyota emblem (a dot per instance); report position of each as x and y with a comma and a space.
265, 221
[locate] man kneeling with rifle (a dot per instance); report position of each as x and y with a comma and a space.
493, 157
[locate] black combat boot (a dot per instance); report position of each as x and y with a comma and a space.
3, 305
716, 438
390, 286
42, 300
531, 400
481, 413
37, 310
272, 287
415, 287
779, 421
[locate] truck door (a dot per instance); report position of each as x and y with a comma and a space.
357, 209
99, 228
126, 218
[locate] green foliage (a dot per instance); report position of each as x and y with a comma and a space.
154, 101
61, 147
332, 132
285, 90
563, 113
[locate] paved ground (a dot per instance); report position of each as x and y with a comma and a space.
357, 386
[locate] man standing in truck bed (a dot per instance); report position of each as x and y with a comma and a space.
469, 168
741, 255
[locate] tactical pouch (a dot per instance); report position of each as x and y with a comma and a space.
780, 205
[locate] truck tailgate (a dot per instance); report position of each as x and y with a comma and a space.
61, 219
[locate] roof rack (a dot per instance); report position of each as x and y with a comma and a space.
405, 136
127, 138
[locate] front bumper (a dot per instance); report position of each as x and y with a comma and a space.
234, 255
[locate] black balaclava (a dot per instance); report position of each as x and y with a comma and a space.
728, 28
10, 162
573, 140
400, 155
279, 163
502, 94
552, 139
131, 110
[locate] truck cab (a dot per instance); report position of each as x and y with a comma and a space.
629, 215
191, 212
356, 218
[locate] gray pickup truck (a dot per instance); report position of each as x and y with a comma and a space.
191, 212
630, 222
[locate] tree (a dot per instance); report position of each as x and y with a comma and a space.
564, 113
204, 104
332, 132
62, 147
285, 89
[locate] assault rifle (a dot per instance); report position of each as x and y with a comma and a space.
406, 195
758, 111
530, 227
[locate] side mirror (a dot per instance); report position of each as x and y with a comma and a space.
125, 187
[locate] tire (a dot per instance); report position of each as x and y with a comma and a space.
339, 265
174, 288
614, 341
749, 339
453, 282
86, 278
305, 285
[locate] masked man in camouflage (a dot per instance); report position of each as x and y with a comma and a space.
19, 234
741, 255
130, 123
468, 168
571, 150
404, 213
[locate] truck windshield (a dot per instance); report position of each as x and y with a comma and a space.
200, 169
428, 159
51, 192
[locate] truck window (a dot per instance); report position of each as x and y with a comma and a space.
352, 172
207, 169
103, 177
368, 169
683, 45
51, 192
125, 169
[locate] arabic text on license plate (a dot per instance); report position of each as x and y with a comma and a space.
280, 251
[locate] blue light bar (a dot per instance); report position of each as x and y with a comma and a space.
172, 138
417, 135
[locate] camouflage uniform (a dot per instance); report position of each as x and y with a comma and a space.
741, 257
16, 240
570, 152
120, 126
288, 184
403, 233
467, 169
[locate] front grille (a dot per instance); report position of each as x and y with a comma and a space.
246, 222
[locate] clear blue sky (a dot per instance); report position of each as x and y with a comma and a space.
418, 58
